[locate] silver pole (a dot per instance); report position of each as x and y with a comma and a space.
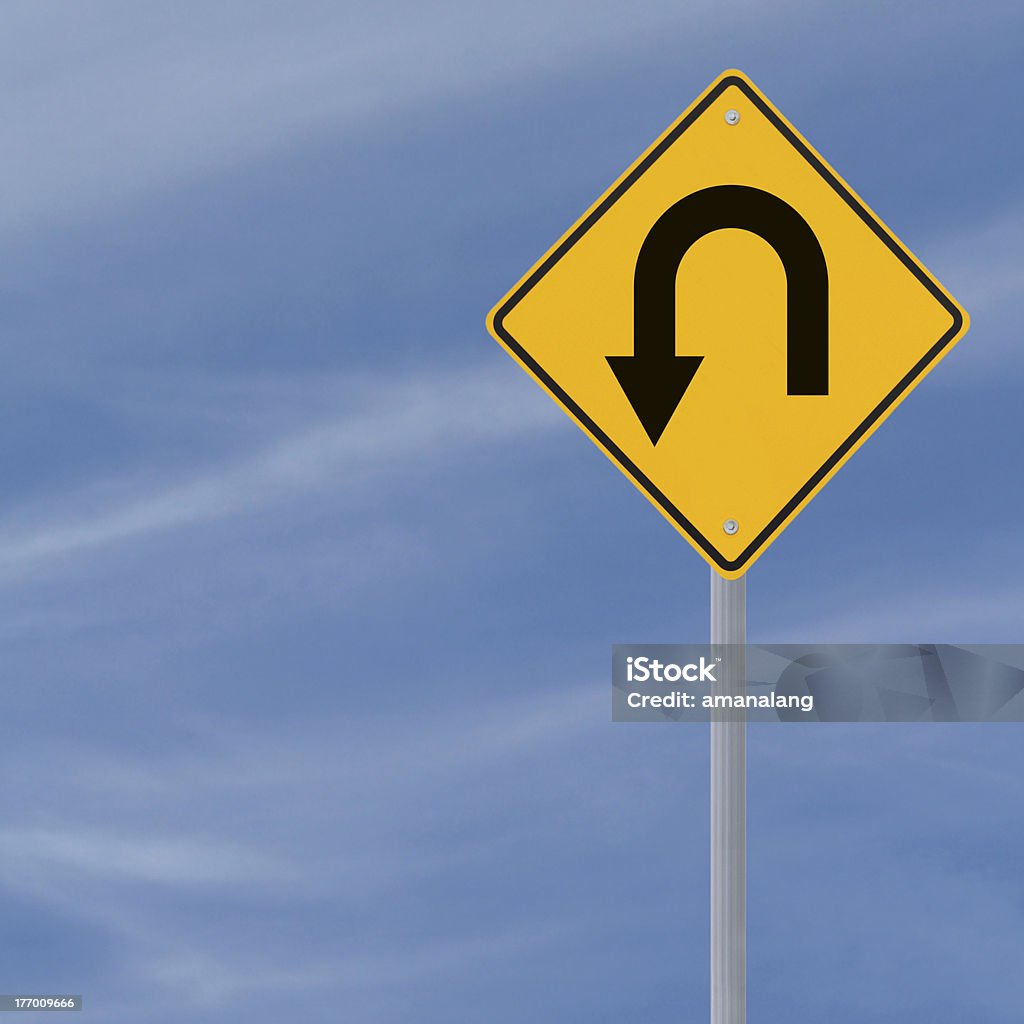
729, 811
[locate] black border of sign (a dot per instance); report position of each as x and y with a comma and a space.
606, 442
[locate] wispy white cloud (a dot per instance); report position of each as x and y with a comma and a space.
272, 779
984, 269
105, 101
210, 979
121, 858
977, 613
242, 765
327, 812
390, 426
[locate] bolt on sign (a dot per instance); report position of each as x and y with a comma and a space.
729, 322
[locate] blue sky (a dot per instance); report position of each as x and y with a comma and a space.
308, 592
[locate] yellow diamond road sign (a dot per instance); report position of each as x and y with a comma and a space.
729, 322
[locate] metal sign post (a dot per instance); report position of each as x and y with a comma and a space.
729, 810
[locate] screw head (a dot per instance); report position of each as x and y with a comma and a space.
732, 117
730, 526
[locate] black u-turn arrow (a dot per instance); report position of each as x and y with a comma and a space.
654, 378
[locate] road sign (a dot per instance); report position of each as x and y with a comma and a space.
729, 322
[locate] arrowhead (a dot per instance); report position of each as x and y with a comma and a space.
654, 387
